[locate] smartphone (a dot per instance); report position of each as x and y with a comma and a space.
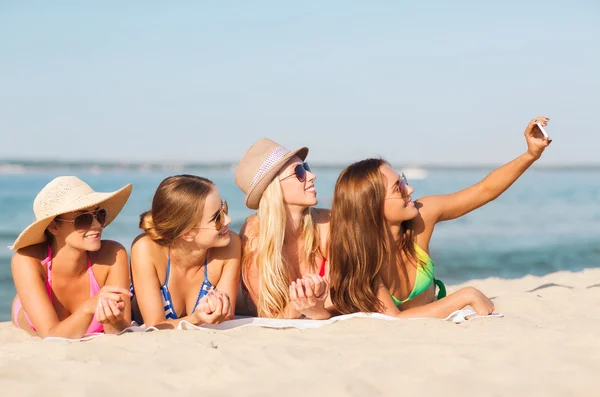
542, 129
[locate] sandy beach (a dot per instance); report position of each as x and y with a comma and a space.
547, 344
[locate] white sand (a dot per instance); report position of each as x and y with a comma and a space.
547, 345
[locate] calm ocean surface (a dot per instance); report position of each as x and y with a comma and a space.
548, 221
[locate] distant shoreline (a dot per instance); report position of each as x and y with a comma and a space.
27, 166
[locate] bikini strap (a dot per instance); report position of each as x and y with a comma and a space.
48, 261
322, 269
168, 268
206, 268
94, 287
49, 257
206, 280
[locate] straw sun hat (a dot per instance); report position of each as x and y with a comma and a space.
259, 166
68, 194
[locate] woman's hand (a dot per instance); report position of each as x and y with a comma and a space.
109, 311
308, 296
536, 141
212, 308
478, 301
108, 293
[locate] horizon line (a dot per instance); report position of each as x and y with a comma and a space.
124, 164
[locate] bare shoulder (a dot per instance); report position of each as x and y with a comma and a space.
36, 252
110, 254
427, 207
111, 247
321, 215
236, 242
322, 218
233, 250
146, 252
249, 233
250, 227
139, 237
422, 225
143, 244
29, 258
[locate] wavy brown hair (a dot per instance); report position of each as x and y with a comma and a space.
177, 205
359, 242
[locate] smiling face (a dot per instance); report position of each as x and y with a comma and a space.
212, 230
398, 205
297, 183
81, 229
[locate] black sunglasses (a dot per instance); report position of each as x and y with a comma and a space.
299, 172
84, 221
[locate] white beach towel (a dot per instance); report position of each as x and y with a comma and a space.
133, 328
456, 317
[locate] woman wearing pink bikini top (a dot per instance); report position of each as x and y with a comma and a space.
69, 282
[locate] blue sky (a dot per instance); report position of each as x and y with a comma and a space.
193, 81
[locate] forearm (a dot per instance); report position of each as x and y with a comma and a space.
173, 324
438, 309
289, 313
313, 314
502, 178
73, 327
232, 294
116, 327
318, 314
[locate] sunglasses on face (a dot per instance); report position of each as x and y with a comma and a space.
299, 172
84, 221
401, 187
219, 217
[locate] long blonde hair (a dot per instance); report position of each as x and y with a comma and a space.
274, 272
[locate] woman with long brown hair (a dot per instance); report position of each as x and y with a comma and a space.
379, 239
186, 264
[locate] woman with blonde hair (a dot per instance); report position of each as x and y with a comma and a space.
379, 247
284, 243
186, 264
81, 286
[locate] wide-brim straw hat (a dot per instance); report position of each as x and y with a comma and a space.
259, 166
68, 194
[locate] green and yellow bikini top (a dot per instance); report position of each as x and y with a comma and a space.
425, 276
